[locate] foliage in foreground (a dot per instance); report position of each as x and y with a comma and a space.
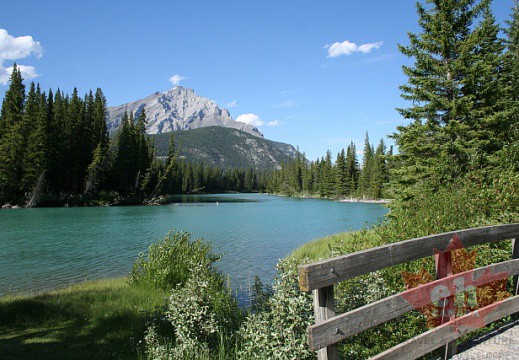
200, 316
169, 262
278, 331
474, 201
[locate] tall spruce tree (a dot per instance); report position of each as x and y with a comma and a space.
99, 168
13, 138
12, 105
511, 83
367, 168
452, 87
352, 165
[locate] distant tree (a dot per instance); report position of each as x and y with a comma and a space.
366, 172
352, 166
342, 182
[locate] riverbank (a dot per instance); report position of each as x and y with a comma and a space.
337, 198
366, 200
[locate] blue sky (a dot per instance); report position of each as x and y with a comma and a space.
315, 74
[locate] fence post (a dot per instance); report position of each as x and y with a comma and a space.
515, 282
443, 262
324, 309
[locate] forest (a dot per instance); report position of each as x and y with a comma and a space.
55, 150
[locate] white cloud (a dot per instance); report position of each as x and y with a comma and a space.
274, 123
346, 48
176, 79
28, 73
232, 104
251, 119
15, 48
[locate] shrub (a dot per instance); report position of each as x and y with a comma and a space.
280, 331
169, 261
201, 315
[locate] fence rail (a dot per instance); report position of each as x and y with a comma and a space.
329, 329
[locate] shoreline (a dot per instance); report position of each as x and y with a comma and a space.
347, 200
367, 201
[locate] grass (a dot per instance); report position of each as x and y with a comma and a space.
95, 320
323, 248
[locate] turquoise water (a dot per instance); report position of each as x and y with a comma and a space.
46, 248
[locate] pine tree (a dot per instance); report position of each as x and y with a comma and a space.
35, 117
122, 174
352, 168
12, 105
99, 168
13, 139
511, 84
452, 86
367, 168
342, 182
379, 176
326, 176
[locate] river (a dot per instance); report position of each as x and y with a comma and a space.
46, 248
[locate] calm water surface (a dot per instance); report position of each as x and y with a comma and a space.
52, 247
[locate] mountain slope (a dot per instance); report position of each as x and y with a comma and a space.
177, 109
226, 148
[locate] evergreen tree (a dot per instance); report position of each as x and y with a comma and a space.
13, 139
122, 175
12, 105
100, 132
326, 176
452, 86
511, 84
352, 167
35, 117
379, 175
367, 168
342, 182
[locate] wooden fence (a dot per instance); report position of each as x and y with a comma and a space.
329, 329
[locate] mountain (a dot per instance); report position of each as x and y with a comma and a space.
177, 109
226, 147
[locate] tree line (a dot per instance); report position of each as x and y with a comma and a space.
343, 177
55, 149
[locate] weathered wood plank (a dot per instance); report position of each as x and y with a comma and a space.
437, 337
328, 272
340, 327
324, 309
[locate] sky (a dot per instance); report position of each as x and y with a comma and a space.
315, 74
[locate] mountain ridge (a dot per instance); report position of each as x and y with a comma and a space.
226, 148
177, 109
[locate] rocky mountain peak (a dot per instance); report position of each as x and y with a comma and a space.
179, 108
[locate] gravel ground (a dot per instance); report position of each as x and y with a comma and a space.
501, 343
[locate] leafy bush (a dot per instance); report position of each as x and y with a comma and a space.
201, 315
169, 261
280, 330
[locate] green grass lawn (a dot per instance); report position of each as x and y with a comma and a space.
96, 320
